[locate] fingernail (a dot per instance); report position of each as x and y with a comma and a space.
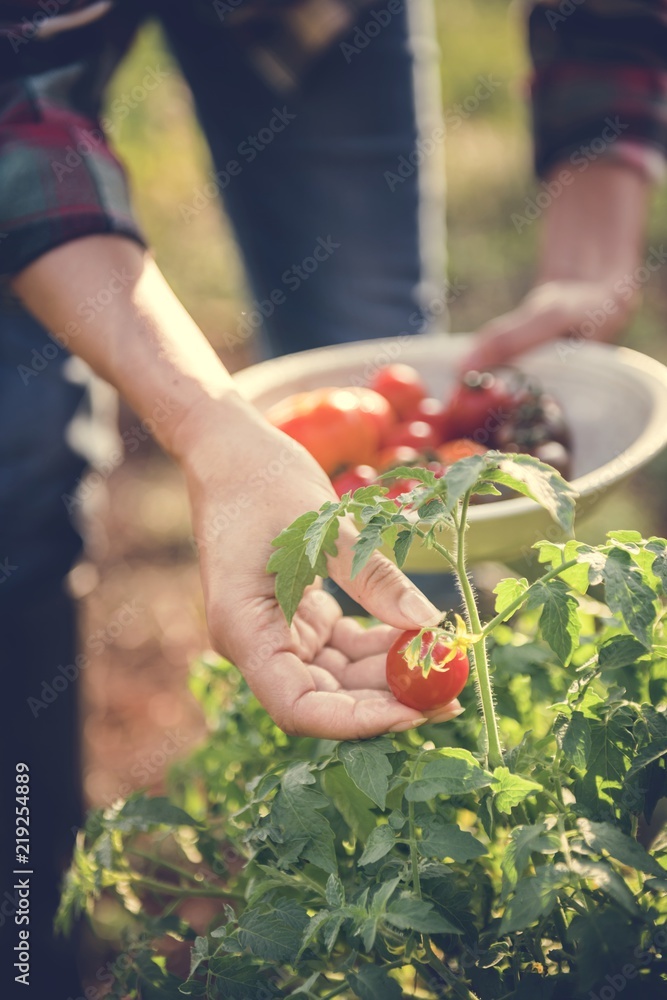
402, 726
447, 716
418, 609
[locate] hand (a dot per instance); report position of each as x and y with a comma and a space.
572, 310
325, 675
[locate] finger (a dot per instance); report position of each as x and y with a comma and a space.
497, 343
356, 642
448, 712
380, 587
370, 672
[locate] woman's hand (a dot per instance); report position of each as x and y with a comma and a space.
325, 675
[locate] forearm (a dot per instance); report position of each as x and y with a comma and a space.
136, 335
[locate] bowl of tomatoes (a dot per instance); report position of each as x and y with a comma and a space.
596, 413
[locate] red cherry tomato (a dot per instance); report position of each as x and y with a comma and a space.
402, 386
435, 413
417, 434
391, 458
453, 451
354, 479
330, 424
443, 681
482, 402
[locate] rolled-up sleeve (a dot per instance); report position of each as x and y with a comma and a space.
599, 84
59, 180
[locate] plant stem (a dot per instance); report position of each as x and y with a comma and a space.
478, 651
182, 892
516, 604
414, 856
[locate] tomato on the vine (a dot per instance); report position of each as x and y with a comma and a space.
430, 676
402, 385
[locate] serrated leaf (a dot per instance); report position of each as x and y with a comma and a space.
462, 476
540, 482
601, 837
238, 979
507, 592
523, 842
453, 772
511, 789
198, 954
559, 622
354, 806
535, 897
629, 596
322, 534
367, 765
296, 814
142, 812
609, 750
573, 736
370, 538
335, 891
273, 933
447, 840
371, 981
412, 914
425, 476
402, 547
294, 570
658, 546
609, 881
648, 754
306, 986
620, 651
380, 843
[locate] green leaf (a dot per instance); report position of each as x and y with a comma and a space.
142, 812
653, 751
605, 878
296, 813
380, 842
507, 592
355, 807
335, 891
535, 897
411, 914
522, 843
627, 595
447, 840
462, 476
238, 979
367, 765
511, 789
425, 476
198, 954
273, 933
608, 757
402, 547
371, 982
559, 621
534, 479
573, 736
601, 837
370, 539
454, 772
620, 651
294, 570
322, 534
659, 566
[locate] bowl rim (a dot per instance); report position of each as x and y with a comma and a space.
650, 442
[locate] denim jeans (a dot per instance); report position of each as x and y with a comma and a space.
335, 250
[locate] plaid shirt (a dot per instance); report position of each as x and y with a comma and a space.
599, 88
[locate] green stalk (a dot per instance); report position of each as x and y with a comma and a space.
414, 855
516, 604
478, 651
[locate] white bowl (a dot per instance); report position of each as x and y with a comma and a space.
615, 401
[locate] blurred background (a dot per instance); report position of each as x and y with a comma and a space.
138, 714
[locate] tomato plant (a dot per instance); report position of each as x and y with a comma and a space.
506, 855
425, 670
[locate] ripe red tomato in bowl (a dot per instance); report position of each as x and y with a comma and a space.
434, 412
483, 401
391, 458
453, 451
330, 424
417, 434
426, 686
377, 409
402, 385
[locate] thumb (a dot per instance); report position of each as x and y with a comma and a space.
380, 587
